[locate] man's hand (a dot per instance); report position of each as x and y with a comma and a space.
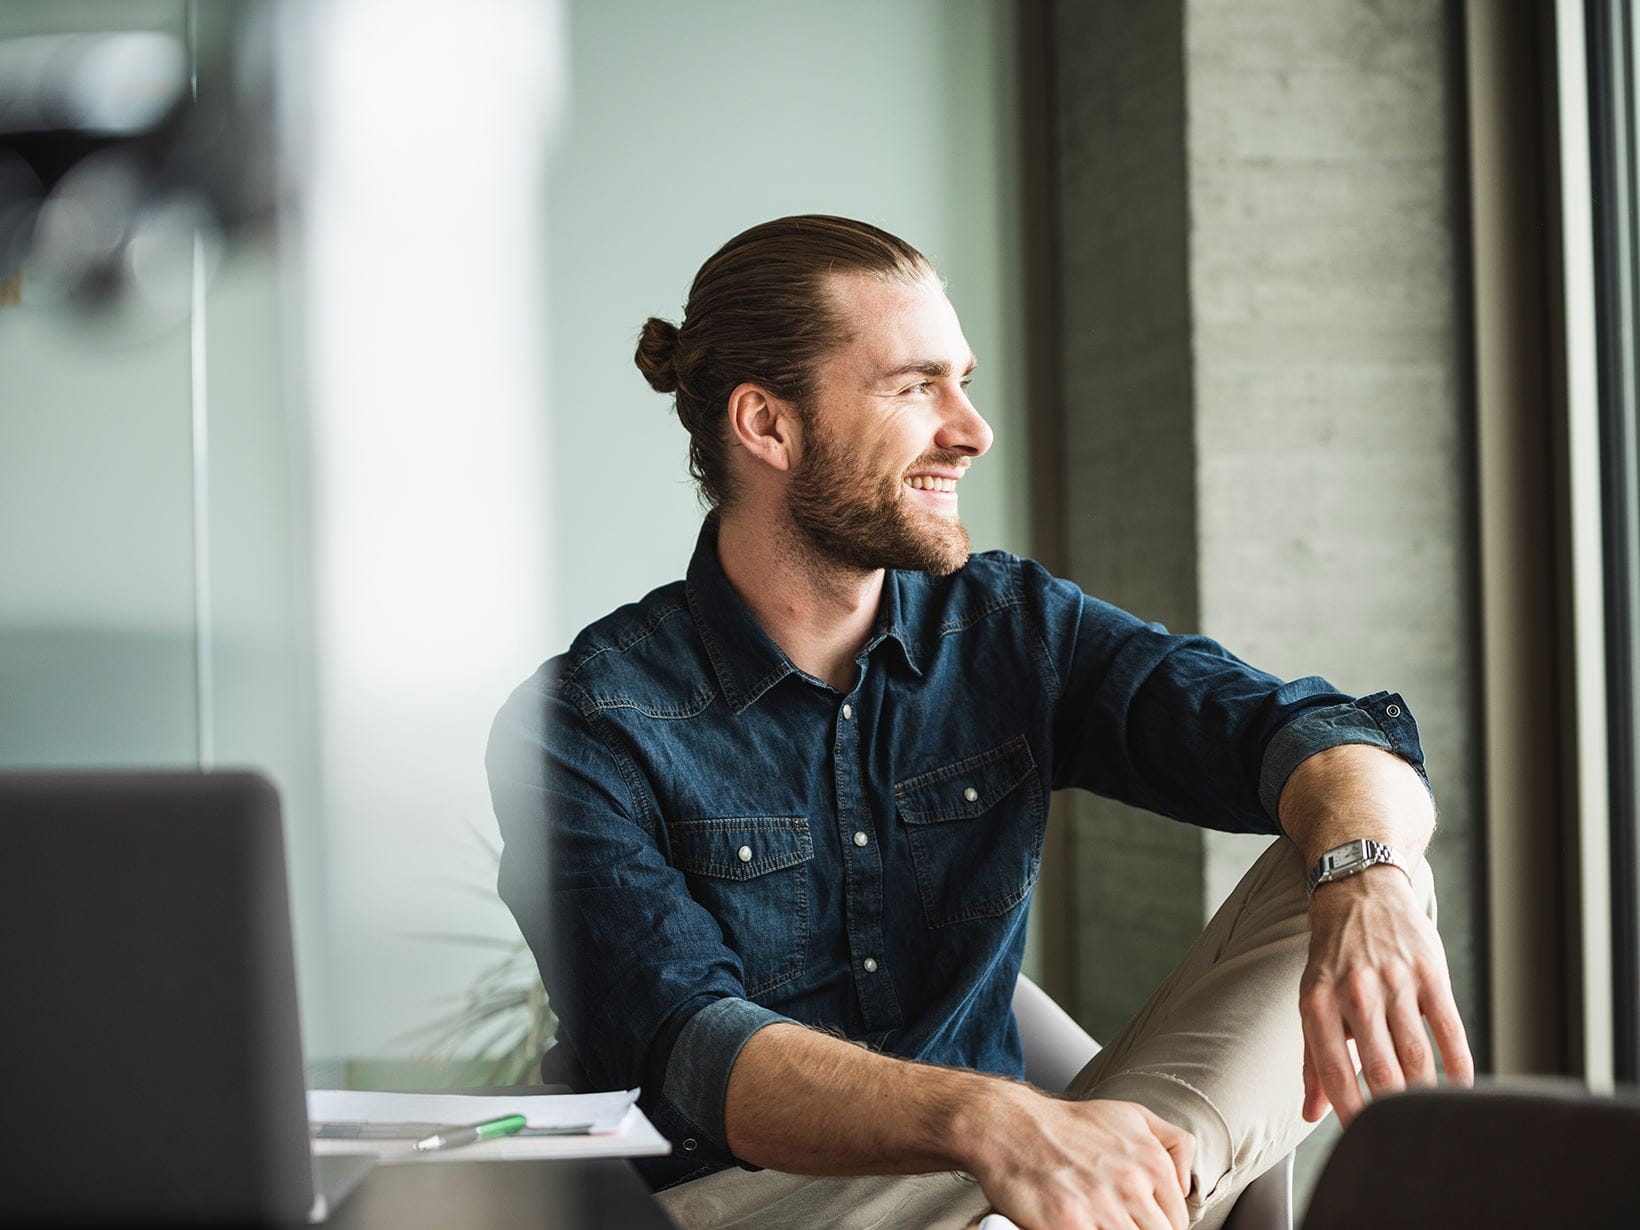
1051, 1164
1377, 969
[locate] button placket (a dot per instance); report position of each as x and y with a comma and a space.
862, 873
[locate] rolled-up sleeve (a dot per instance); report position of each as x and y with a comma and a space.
1381, 720
695, 1080
645, 990
1181, 726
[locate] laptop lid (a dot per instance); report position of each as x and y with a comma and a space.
150, 1035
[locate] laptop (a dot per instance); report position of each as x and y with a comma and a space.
149, 1040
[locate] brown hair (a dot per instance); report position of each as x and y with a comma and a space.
758, 312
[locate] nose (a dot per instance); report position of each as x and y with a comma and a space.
964, 429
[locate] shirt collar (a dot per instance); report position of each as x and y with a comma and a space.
745, 659
896, 617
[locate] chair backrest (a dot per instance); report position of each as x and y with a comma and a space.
1056, 1047
1499, 1157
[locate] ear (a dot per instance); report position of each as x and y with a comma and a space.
764, 426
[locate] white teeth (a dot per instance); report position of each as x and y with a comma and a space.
926, 482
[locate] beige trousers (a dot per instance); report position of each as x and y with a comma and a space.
1217, 1050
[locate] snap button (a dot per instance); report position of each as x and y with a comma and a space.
745, 854
848, 712
1392, 710
870, 964
970, 794
860, 839
690, 1144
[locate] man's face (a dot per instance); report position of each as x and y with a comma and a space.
889, 432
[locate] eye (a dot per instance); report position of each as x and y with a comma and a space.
921, 387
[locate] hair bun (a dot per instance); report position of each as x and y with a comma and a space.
657, 354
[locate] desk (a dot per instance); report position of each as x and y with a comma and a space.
572, 1194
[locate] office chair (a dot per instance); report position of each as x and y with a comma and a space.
1503, 1158
1057, 1048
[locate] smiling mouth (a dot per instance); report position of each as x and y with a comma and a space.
928, 483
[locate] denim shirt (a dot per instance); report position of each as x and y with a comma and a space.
701, 839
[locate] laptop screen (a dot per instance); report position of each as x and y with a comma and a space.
151, 1014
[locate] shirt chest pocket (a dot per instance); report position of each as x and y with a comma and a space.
751, 873
975, 831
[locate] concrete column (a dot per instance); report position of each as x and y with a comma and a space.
1267, 429
1129, 487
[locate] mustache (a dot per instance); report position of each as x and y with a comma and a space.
953, 461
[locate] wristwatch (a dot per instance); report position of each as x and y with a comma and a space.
1350, 859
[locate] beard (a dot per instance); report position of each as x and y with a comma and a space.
843, 512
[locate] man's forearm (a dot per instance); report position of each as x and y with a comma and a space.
809, 1103
1356, 791
806, 1102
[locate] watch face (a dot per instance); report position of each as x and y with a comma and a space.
1338, 860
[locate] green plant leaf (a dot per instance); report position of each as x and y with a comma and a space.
503, 1016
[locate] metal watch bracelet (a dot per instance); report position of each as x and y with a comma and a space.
1351, 858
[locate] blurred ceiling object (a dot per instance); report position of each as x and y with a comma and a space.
125, 156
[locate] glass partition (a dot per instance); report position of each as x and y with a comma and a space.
299, 509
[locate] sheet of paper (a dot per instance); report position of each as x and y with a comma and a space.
637, 1138
604, 1112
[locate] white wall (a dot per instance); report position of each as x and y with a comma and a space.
421, 411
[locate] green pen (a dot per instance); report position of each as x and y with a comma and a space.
450, 1138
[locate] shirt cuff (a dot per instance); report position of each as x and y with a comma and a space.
696, 1080
1380, 720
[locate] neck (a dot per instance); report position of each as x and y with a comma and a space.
819, 612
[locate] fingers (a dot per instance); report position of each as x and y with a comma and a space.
1180, 1144
1173, 1181
1168, 1201
1324, 1043
1447, 1027
1130, 1203
1364, 1018
1149, 1215
1315, 1100
1412, 1050
1152, 1211
1389, 1037
1183, 1150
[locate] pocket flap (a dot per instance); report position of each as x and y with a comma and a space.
968, 788
740, 847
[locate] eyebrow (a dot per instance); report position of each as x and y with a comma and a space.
926, 367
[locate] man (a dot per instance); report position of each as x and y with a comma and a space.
772, 831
